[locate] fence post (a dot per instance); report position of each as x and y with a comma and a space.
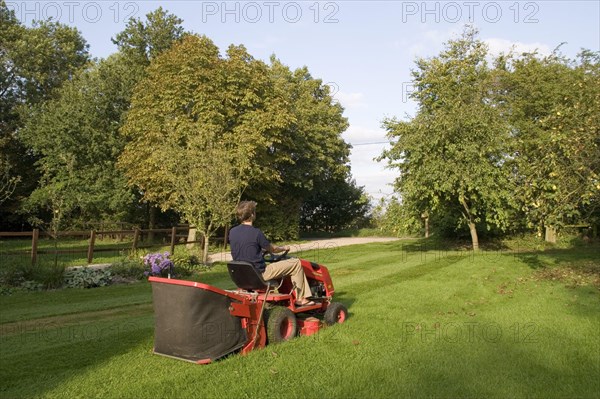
34, 245
90, 254
173, 238
136, 236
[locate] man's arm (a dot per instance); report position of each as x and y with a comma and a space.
276, 249
267, 246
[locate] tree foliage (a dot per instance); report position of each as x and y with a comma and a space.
76, 140
195, 125
518, 141
395, 219
334, 205
34, 62
450, 155
141, 41
201, 129
205, 128
305, 150
552, 104
75, 135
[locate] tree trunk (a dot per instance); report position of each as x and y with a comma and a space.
551, 234
191, 237
474, 237
425, 217
472, 228
151, 221
205, 250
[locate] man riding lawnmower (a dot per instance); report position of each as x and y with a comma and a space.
248, 244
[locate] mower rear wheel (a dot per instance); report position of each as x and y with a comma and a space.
281, 324
336, 313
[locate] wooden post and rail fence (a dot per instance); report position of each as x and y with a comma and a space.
174, 234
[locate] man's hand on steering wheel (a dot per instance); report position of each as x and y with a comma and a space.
283, 251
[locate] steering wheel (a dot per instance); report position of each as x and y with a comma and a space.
270, 257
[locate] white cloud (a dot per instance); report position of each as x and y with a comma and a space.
368, 144
431, 42
359, 134
498, 46
377, 181
350, 100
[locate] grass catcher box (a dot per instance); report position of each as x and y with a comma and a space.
193, 322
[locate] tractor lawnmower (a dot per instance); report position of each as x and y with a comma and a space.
201, 323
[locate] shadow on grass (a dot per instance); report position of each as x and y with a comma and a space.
572, 257
518, 366
434, 244
486, 366
39, 358
345, 298
412, 273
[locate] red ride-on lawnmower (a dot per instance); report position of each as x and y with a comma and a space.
201, 323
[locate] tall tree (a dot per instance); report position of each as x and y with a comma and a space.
75, 135
334, 205
451, 154
551, 103
76, 139
308, 148
141, 41
34, 62
196, 123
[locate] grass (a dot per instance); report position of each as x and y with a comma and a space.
423, 322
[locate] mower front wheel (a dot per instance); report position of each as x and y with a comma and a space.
281, 324
336, 313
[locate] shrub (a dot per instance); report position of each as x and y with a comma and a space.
23, 275
128, 269
186, 265
86, 277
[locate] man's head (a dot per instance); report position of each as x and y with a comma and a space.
246, 211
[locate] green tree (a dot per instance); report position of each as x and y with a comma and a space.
75, 135
451, 154
34, 62
141, 41
552, 103
392, 217
334, 205
76, 139
306, 148
196, 124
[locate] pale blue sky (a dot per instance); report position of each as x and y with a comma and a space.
363, 49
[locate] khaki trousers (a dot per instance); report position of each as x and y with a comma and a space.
289, 267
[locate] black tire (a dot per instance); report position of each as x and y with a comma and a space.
281, 324
336, 313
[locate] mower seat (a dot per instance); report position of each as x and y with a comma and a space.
246, 277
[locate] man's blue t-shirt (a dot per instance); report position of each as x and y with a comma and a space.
247, 243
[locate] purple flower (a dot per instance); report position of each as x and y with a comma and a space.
158, 263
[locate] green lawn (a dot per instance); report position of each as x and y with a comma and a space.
423, 323
20, 249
